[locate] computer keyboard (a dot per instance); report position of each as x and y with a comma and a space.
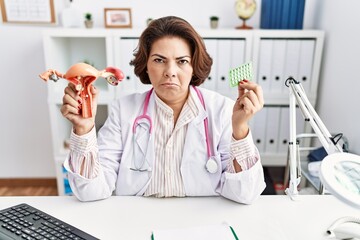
28, 223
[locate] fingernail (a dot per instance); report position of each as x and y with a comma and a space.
79, 101
245, 80
241, 82
79, 107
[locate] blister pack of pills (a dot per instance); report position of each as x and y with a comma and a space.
240, 73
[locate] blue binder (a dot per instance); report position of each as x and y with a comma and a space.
300, 14
293, 13
265, 14
284, 23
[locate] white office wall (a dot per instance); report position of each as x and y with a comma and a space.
339, 89
25, 141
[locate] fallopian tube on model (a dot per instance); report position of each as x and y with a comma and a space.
82, 75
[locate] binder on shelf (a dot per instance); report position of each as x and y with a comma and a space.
282, 14
266, 7
126, 47
307, 49
272, 129
300, 14
224, 57
284, 23
292, 61
236, 59
259, 129
278, 64
284, 130
211, 47
274, 14
265, 62
294, 14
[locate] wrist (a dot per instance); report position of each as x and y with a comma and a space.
83, 130
240, 132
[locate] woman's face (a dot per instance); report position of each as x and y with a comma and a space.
169, 68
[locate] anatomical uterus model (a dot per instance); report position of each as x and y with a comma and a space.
82, 75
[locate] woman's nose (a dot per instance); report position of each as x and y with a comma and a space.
170, 71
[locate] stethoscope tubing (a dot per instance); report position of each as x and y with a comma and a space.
144, 115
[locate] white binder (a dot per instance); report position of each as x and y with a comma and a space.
211, 47
237, 58
259, 129
272, 129
284, 130
292, 61
277, 80
224, 62
306, 63
265, 64
128, 85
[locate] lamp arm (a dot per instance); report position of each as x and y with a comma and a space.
297, 96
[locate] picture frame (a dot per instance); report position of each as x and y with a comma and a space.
117, 18
28, 11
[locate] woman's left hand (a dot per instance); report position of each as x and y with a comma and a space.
249, 102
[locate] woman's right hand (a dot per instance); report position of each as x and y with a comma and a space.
72, 107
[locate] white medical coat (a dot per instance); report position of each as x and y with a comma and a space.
116, 155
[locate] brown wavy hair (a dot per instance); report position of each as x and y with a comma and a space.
173, 27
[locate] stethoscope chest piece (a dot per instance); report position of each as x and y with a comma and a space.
211, 165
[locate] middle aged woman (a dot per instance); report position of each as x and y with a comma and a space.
175, 140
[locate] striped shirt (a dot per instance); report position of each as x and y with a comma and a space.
169, 145
169, 142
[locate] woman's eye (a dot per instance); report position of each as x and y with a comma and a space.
159, 60
183, 61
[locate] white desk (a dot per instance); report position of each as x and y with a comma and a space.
270, 217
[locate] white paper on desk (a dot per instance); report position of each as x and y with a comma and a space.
208, 232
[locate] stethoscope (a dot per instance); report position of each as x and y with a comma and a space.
211, 164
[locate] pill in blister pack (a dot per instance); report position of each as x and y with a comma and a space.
242, 72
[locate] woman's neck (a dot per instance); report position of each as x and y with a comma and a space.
176, 105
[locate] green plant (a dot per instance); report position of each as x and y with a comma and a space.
88, 16
214, 18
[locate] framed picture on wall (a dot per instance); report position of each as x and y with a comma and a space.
117, 17
27, 11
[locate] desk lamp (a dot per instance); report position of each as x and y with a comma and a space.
339, 171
